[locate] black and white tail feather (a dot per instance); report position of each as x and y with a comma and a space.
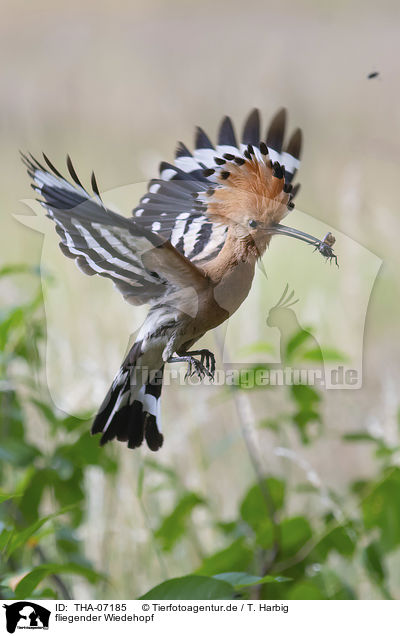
170, 219
130, 411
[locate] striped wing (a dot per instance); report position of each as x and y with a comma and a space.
170, 207
175, 204
105, 243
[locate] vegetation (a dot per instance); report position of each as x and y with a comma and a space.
267, 552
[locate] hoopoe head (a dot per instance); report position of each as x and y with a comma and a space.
251, 196
251, 193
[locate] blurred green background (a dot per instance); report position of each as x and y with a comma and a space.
116, 85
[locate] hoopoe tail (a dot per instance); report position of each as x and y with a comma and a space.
130, 411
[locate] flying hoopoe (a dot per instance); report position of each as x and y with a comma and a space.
189, 250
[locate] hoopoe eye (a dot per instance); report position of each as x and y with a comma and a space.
253, 223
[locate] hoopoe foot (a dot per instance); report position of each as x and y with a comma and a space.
196, 367
207, 360
202, 368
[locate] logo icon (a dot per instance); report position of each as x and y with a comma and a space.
26, 615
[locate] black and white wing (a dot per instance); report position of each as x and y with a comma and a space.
173, 214
105, 243
176, 203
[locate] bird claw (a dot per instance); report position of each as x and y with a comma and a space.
202, 368
207, 360
197, 367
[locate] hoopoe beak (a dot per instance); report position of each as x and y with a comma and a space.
323, 246
289, 231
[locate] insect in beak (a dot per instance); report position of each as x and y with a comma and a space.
324, 247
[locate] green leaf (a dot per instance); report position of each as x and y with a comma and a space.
373, 561
305, 591
229, 528
294, 533
328, 355
17, 268
341, 539
69, 492
305, 396
238, 578
47, 593
254, 508
295, 343
362, 436
174, 526
384, 451
33, 493
332, 586
256, 347
360, 487
243, 579
11, 327
191, 587
20, 538
86, 451
380, 509
265, 535
302, 419
6, 535
67, 541
236, 557
17, 452
75, 422
30, 582
6, 496
12, 417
